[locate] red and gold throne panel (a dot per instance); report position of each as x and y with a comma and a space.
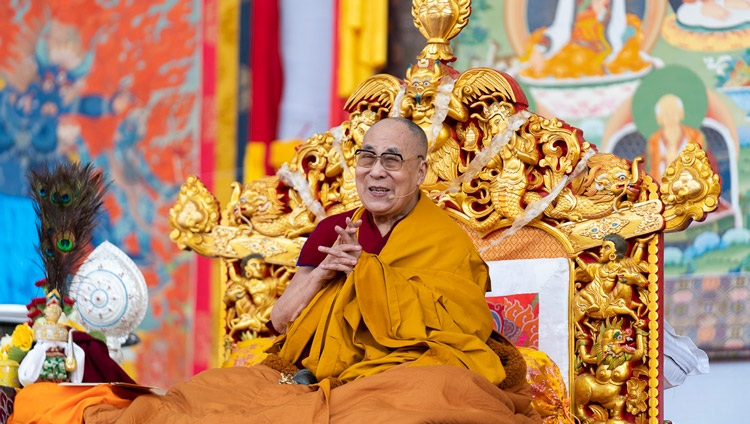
573, 237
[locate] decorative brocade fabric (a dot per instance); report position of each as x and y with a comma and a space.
6, 403
550, 398
516, 317
713, 311
248, 353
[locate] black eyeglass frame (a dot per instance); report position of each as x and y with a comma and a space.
401, 160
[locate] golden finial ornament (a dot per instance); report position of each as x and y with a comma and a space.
439, 21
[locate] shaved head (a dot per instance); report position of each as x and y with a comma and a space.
417, 137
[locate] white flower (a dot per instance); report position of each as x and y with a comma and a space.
718, 64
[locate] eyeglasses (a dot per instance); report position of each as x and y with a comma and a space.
390, 161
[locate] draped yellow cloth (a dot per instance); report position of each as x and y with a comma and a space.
421, 301
413, 319
441, 394
363, 42
50, 403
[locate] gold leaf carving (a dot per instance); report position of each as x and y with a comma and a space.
689, 188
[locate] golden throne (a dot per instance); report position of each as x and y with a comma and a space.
524, 187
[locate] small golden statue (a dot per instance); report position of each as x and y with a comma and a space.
611, 281
54, 357
250, 295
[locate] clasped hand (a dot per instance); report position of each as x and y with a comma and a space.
345, 252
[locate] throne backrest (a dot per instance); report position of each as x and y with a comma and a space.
523, 186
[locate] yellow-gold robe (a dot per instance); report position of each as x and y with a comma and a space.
421, 301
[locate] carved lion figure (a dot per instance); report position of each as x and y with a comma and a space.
609, 185
612, 358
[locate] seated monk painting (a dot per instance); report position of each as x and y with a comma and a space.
385, 320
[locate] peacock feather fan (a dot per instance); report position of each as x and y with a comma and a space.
67, 199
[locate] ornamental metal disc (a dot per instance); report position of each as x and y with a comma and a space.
110, 292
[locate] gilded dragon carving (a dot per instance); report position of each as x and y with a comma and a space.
609, 185
493, 164
259, 206
606, 383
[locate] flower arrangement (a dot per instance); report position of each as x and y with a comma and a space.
15, 347
36, 306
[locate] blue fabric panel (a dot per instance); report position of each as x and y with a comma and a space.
20, 265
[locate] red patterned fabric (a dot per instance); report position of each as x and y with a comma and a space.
517, 318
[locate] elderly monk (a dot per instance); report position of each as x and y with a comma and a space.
395, 281
386, 313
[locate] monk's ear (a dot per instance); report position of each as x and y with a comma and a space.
422, 172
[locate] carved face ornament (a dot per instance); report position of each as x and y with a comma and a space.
608, 252
254, 202
615, 180
255, 268
617, 343
190, 216
422, 83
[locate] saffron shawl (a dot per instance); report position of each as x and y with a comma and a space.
420, 301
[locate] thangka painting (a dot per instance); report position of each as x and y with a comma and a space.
641, 79
118, 84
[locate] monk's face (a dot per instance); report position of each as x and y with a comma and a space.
670, 111
390, 194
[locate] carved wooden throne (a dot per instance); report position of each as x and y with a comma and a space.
525, 188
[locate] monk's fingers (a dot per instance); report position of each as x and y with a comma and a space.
347, 235
353, 225
342, 264
343, 237
344, 253
342, 244
343, 247
346, 269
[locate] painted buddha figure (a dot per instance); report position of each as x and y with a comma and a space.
714, 14
602, 39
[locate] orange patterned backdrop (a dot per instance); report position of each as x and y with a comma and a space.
116, 83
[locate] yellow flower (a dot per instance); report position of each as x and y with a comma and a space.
23, 337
